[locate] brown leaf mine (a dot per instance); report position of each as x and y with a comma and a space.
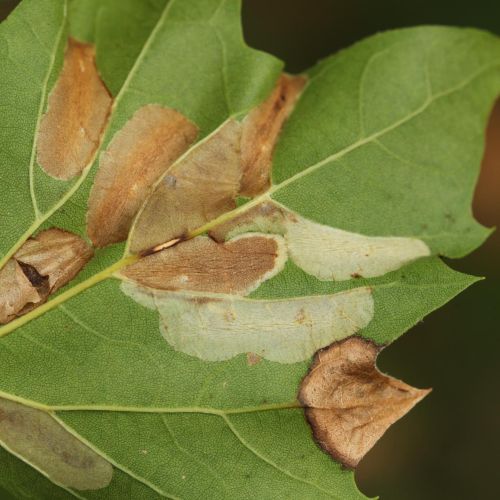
202, 265
37, 438
77, 112
40, 267
196, 190
17, 294
56, 254
136, 157
349, 403
261, 130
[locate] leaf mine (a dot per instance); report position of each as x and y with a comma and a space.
349, 403
77, 112
202, 265
137, 156
219, 327
327, 253
261, 130
39, 268
17, 293
196, 190
41, 441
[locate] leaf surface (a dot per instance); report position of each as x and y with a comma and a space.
380, 153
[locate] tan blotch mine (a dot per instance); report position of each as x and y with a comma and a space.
18, 295
202, 265
38, 439
194, 191
137, 156
77, 112
219, 327
261, 130
349, 403
39, 268
325, 252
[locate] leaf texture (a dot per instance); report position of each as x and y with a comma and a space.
380, 153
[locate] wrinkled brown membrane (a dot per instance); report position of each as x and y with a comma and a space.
202, 265
40, 267
261, 130
39, 439
77, 112
136, 157
196, 190
17, 294
349, 403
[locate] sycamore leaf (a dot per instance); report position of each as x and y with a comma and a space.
248, 226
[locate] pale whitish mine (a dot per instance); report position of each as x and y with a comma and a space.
219, 327
42, 442
327, 253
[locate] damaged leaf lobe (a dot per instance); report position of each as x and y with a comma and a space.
349, 403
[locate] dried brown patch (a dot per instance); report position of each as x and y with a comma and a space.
40, 440
202, 265
17, 294
77, 112
196, 190
349, 403
261, 130
137, 156
40, 267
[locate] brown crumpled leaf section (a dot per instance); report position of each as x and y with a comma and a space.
194, 191
261, 129
44, 443
137, 156
349, 403
39, 268
202, 265
77, 112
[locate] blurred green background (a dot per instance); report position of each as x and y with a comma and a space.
448, 447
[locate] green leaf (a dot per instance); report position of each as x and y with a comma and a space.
385, 142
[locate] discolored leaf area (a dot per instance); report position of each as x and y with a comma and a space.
260, 237
78, 108
139, 153
199, 188
41, 441
349, 403
39, 268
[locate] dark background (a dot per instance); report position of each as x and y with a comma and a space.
448, 447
